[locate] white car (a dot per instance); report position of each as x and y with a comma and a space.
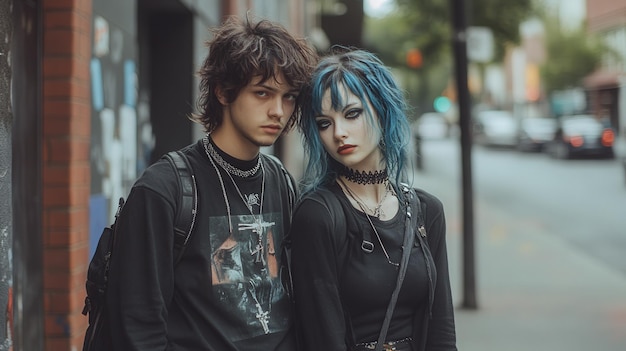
535, 133
431, 125
495, 128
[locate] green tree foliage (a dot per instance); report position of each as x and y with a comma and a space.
571, 55
429, 22
387, 37
391, 37
426, 25
503, 17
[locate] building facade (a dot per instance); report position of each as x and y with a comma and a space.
607, 86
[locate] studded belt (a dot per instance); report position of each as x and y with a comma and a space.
396, 345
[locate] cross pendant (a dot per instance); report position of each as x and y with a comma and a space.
258, 251
264, 318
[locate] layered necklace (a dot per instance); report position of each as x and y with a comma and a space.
257, 251
214, 157
230, 169
366, 210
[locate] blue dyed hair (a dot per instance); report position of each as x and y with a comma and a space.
365, 76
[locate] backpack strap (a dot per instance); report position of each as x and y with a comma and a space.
289, 180
187, 202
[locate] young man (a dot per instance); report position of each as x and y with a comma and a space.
224, 293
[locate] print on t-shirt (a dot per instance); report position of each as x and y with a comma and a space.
245, 272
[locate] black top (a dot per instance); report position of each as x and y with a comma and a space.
217, 296
336, 283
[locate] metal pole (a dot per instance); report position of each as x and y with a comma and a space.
460, 60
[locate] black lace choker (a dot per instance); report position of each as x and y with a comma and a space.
375, 177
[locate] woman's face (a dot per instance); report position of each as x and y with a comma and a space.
347, 135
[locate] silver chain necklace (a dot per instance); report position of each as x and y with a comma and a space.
257, 228
248, 202
230, 169
362, 206
377, 211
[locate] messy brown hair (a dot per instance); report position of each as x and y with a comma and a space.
241, 50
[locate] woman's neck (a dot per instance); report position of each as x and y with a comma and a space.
378, 200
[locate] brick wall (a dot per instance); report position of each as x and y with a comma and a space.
66, 173
603, 14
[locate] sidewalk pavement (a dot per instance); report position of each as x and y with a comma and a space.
534, 290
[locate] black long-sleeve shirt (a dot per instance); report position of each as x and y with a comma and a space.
338, 285
220, 295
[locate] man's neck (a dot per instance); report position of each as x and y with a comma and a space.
235, 145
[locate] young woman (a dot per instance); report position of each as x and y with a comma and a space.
348, 229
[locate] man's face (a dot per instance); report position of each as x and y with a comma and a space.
256, 117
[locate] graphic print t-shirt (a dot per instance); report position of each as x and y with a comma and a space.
245, 272
245, 283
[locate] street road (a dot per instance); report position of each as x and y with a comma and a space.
582, 201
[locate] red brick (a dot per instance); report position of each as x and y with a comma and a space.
68, 19
71, 302
57, 88
55, 238
66, 343
57, 280
63, 125
44, 153
68, 149
84, 22
62, 196
66, 107
56, 196
79, 337
49, 5
66, 131
61, 19
64, 263
81, 6
62, 281
61, 325
84, 45
59, 302
54, 108
66, 87
74, 173
60, 42
82, 70
67, 219
57, 343
64, 66
57, 325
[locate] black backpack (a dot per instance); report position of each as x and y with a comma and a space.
98, 335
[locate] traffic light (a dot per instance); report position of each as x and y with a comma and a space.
414, 58
442, 104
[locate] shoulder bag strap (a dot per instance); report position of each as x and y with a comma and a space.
409, 237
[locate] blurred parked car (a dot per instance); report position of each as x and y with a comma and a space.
431, 125
535, 133
495, 128
581, 135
